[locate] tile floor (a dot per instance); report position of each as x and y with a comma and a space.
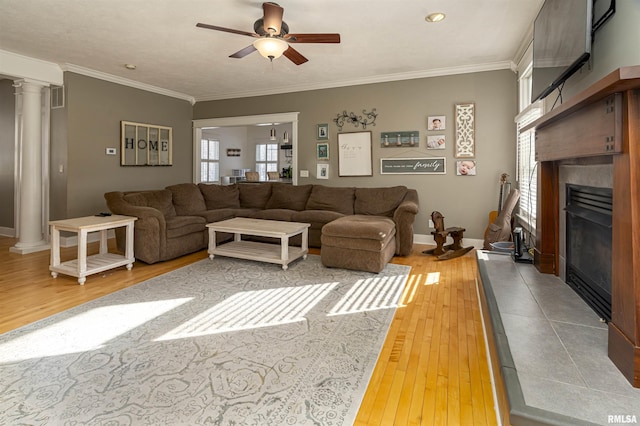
558, 347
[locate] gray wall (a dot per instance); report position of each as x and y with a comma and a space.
615, 45
7, 149
90, 124
403, 106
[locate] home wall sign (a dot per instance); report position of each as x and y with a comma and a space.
413, 166
145, 144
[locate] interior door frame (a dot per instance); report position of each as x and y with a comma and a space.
247, 120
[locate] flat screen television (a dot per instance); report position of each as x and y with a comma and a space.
561, 43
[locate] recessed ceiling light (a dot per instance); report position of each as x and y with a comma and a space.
130, 66
435, 17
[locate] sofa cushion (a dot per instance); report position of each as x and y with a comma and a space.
160, 200
182, 225
361, 227
275, 214
254, 195
217, 215
220, 196
379, 201
187, 199
292, 197
330, 198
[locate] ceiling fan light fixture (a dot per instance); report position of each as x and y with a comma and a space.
435, 17
270, 47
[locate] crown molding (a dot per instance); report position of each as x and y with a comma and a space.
126, 82
438, 72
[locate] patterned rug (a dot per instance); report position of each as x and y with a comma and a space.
220, 342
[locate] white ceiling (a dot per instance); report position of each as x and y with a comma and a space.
381, 41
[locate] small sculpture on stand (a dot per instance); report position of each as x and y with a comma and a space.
450, 251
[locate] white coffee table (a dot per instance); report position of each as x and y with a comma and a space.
282, 254
86, 265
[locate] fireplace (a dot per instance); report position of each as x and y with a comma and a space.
588, 245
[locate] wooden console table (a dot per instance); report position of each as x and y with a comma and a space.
602, 121
86, 265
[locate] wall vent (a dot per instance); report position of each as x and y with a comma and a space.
57, 97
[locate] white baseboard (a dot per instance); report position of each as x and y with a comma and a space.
428, 239
7, 232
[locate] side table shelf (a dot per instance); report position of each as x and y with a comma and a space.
85, 265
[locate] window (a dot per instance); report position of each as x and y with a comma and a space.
209, 160
266, 159
526, 166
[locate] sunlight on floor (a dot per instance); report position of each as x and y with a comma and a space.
371, 294
86, 331
253, 309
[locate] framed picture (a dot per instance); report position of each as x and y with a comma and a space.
436, 122
322, 132
465, 131
322, 151
323, 171
354, 154
436, 142
466, 167
145, 144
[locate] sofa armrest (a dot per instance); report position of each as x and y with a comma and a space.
150, 230
404, 216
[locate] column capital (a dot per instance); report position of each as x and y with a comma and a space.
29, 84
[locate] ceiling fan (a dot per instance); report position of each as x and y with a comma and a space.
273, 37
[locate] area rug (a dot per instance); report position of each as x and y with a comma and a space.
220, 342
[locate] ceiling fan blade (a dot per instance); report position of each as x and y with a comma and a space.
312, 38
295, 56
226, 30
243, 52
272, 17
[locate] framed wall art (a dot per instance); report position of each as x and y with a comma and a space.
322, 132
322, 171
466, 167
465, 131
354, 154
436, 142
436, 122
145, 144
322, 151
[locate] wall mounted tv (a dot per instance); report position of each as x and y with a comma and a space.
561, 43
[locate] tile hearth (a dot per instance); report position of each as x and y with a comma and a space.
556, 345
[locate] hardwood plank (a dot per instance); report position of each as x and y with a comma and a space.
432, 368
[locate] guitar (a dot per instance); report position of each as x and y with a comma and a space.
493, 215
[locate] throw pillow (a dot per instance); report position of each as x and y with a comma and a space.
187, 199
254, 195
220, 196
333, 199
290, 197
379, 201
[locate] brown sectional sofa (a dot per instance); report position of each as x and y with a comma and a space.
171, 221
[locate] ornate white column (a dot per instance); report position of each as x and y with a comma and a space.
30, 222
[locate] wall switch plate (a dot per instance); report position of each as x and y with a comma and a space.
431, 225
304, 173
111, 151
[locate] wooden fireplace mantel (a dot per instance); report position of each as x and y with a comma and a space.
602, 121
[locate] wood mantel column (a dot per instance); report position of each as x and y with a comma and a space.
624, 328
603, 120
546, 253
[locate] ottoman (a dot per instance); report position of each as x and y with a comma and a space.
358, 242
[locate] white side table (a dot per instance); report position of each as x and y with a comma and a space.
83, 265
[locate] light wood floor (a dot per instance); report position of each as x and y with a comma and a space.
432, 369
